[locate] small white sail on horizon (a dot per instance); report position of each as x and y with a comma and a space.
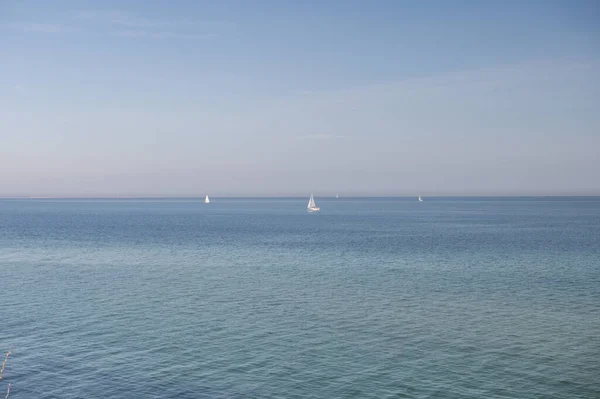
420, 199
312, 207
206, 200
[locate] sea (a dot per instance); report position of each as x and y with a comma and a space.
257, 298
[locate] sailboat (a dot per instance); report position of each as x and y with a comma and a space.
311, 205
206, 200
337, 196
420, 199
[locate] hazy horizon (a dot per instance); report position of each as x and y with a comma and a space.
300, 196
106, 99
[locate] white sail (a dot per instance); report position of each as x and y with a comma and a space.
311, 205
420, 199
206, 200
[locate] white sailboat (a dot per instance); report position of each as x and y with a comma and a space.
311, 205
420, 199
206, 200
337, 196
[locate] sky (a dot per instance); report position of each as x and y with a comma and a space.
284, 98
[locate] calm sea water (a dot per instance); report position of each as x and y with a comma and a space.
255, 298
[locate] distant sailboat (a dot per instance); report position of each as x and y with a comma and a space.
206, 200
420, 199
337, 196
311, 205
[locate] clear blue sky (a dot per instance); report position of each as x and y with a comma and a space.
187, 98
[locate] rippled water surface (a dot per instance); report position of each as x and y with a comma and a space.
255, 298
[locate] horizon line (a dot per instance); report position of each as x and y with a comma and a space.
299, 196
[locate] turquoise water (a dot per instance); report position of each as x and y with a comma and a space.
255, 298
